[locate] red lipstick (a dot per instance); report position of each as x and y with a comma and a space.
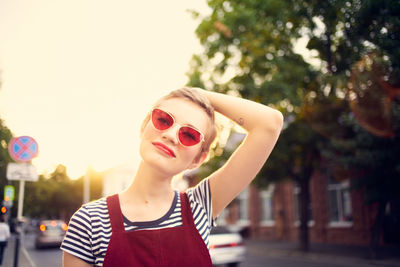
164, 149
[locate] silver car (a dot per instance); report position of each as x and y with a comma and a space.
50, 233
226, 247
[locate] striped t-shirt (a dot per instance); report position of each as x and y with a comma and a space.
89, 230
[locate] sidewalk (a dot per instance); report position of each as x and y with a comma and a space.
8, 259
324, 253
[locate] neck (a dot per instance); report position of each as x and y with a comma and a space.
148, 186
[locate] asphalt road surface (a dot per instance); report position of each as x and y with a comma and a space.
48, 257
51, 257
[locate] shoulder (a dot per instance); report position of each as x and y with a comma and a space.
85, 230
200, 193
96, 206
89, 212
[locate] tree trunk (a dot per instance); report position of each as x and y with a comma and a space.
329, 51
304, 201
377, 229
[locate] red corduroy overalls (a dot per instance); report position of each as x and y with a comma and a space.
175, 246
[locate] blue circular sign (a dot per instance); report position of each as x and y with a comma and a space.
23, 148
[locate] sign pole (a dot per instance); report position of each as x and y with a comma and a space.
21, 199
22, 149
86, 187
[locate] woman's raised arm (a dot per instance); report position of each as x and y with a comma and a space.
263, 125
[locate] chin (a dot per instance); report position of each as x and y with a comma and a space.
158, 162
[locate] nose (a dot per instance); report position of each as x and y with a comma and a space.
171, 134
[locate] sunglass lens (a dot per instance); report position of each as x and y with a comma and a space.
189, 136
161, 120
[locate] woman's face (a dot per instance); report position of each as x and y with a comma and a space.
162, 149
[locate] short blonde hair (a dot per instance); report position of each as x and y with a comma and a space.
197, 98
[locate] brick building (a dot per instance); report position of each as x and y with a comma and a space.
337, 214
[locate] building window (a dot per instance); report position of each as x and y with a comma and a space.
297, 202
267, 211
243, 201
340, 211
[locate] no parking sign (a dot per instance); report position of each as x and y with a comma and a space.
23, 148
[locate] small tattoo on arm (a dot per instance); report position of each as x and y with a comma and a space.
240, 121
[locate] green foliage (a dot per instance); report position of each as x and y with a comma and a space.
5, 137
249, 48
53, 197
371, 160
58, 196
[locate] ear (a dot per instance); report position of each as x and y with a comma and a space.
198, 160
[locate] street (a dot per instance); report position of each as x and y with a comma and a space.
256, 257
49, 257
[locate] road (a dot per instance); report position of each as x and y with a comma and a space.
269, 261
51, 257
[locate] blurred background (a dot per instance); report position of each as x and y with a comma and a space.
79, 76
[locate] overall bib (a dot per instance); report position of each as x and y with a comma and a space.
172, 247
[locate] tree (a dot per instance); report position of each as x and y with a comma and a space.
361, 44
58, 196
370, 151
5, 137
249, 49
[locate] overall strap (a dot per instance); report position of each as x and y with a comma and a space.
187, 215
114, 211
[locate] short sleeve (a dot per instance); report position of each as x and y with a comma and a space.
201, 195
78, 239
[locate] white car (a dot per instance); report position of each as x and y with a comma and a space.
226, 247
50, 233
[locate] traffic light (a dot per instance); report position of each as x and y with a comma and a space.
3, 210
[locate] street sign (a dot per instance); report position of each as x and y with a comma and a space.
21, 171
9, 193
23, 148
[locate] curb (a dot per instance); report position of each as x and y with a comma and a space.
265, 249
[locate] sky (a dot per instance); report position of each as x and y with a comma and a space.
79, 76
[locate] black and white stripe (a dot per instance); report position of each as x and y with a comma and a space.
89, 230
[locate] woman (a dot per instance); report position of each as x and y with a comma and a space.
149, 224
4, 235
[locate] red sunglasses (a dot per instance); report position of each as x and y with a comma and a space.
187, 135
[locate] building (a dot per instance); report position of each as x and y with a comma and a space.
337, 214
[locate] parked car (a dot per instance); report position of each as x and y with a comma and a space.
226, 247
50, 233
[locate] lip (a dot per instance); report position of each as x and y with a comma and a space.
164, 149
